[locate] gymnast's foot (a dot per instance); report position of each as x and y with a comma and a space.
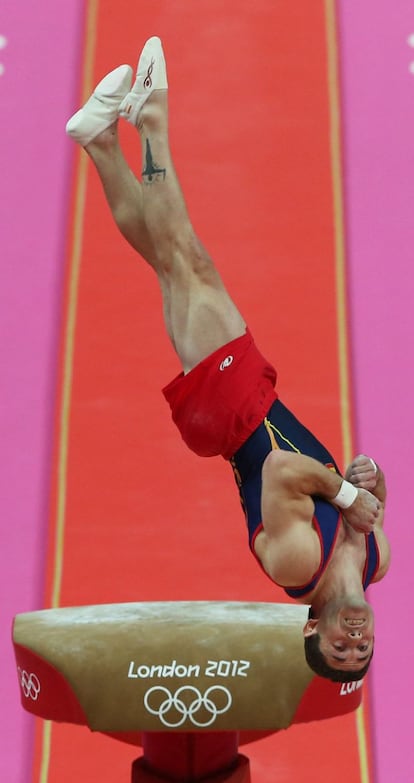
151, 77
100, 111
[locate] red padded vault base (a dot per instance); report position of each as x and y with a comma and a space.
190, 757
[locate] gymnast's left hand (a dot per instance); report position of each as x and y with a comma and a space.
362, 472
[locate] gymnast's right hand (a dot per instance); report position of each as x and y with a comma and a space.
364, 512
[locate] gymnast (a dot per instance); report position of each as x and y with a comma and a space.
317, 534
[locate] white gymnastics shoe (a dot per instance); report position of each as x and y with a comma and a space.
101, 109
151, 75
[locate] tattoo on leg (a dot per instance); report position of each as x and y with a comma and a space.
151, 172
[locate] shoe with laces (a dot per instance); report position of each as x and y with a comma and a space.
151, 75
101, 109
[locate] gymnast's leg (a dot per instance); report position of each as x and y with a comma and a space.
152, 216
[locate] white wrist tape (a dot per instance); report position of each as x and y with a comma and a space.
346, 495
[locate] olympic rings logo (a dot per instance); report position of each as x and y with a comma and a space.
29, 683
187, 703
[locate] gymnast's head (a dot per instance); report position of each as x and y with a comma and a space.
339, 639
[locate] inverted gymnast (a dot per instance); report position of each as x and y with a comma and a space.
315, 533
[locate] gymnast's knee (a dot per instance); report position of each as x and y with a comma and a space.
183, 257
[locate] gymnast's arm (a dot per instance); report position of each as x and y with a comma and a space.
364, 472
290, 548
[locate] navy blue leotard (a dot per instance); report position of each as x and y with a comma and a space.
281, 429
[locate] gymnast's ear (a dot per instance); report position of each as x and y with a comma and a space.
311, 627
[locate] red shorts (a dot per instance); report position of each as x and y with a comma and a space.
222, 400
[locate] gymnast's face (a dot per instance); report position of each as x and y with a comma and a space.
346, 635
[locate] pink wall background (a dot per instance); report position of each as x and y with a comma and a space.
378, 115
39, 72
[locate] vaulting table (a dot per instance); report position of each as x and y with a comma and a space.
187, 681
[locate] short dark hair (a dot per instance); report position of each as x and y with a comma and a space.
317, 663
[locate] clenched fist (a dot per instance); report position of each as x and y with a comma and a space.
362, 472
364, 512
